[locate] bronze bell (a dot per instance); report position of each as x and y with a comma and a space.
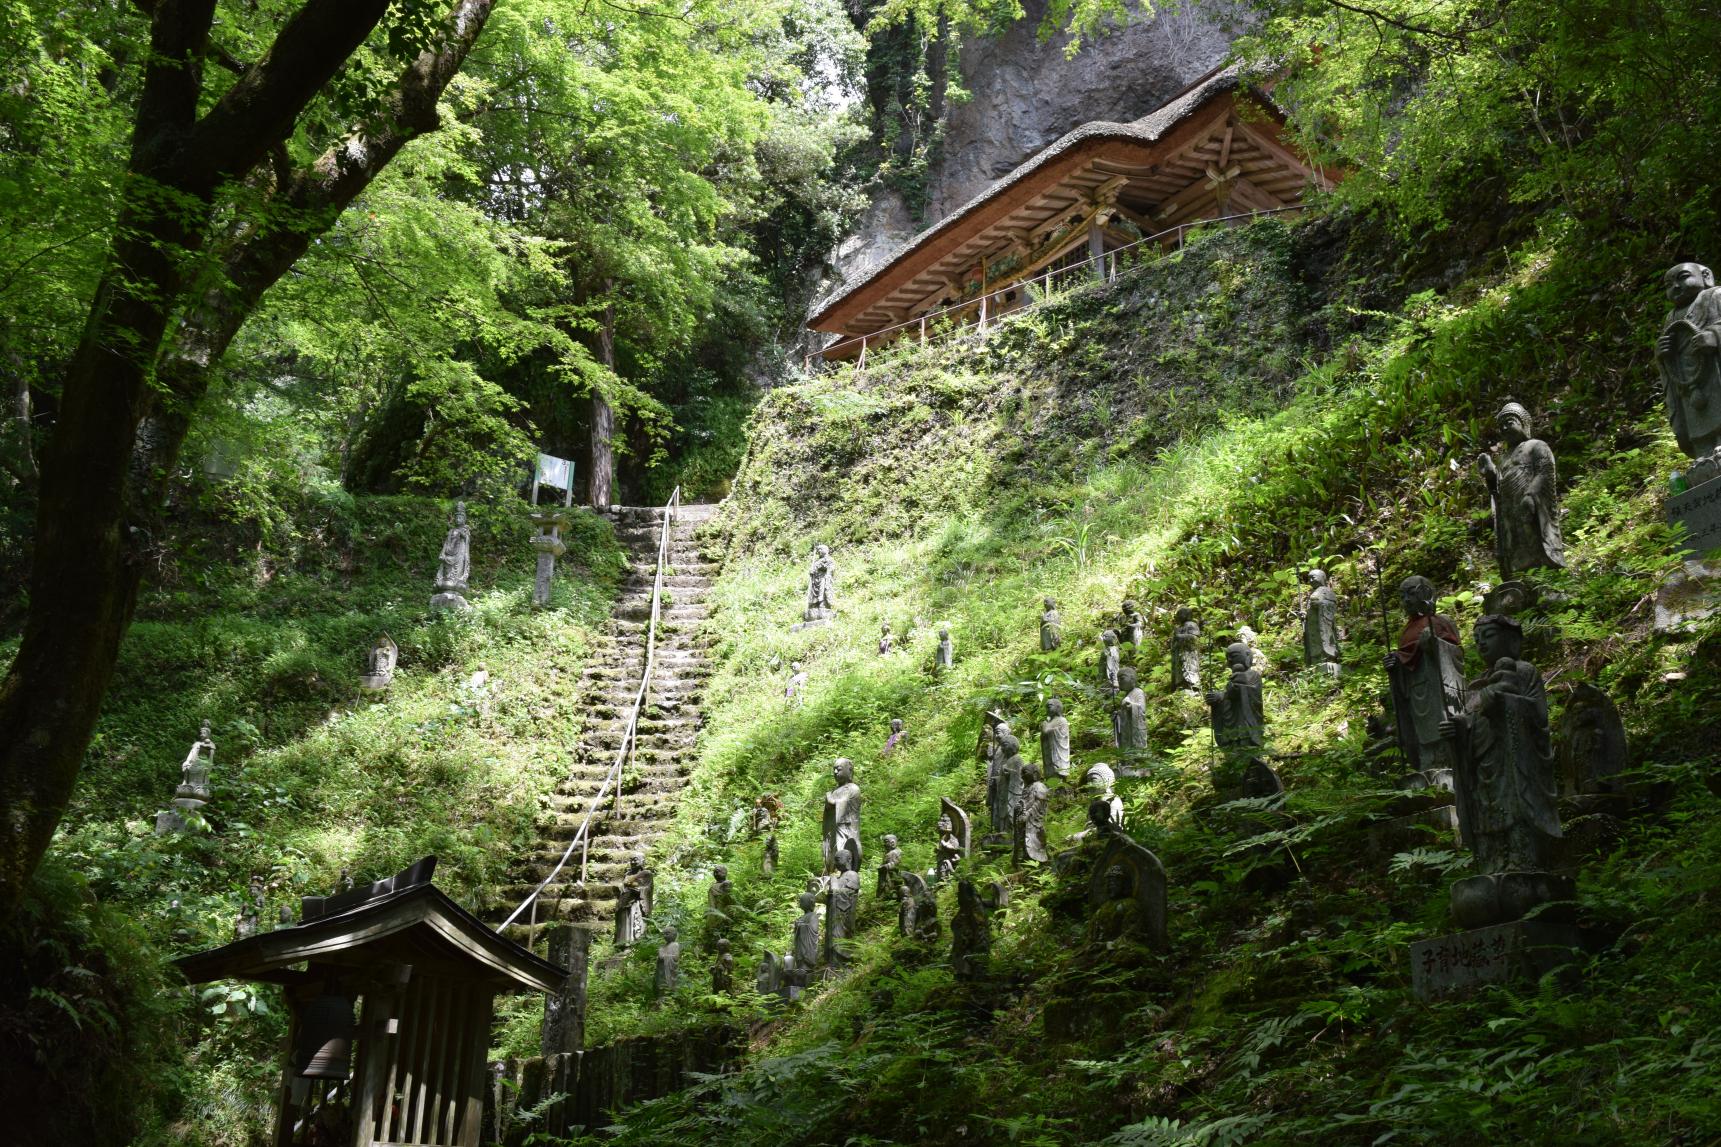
324, 1044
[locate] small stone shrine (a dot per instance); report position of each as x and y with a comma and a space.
1526, 507
1031, 818
454, 564
821, 586
1321, 625
1129, 717
193, 790
1591, 751
946, 655
1126, 891
666, 973
1688, 355
1051, 627
1055, 740
890, 868
955, 839
380, 661
389, 991
842, 898
1426, 672
842, 817
1186, 652
633, 901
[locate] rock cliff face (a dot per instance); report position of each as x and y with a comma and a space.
1025, 93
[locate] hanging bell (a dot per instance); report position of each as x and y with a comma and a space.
324, 1044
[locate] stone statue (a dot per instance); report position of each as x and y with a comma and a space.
1129, 718
795, 691
1426, 672
971, 929
1252, 642
1031, 818
193, 792
722, 970
668, 970
1004, 785
1186, 652
946, 649
719, 903
1321, 624
842, 898
896, 735
917, 913
1099, 780
1051, 627
1055, 740
888, 871
766, 806
454, 565
1127, 895
1108, 660
821, 584
1259, 779
1522, 489
885, 641
842, 817
768, 861
379, 664
904, 910
955, 838
1238, 718
769, 979
284, 919
633, 901
805, 947
1591, 746
1688, 354
1131, 624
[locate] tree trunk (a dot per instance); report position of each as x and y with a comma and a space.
603, 421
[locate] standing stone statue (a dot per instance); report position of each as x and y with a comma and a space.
454, 565
842, 898
897, 733
1688, 354
805, 946
970, 932
842, 817
768, 860
795, 692
1051, 627
1129, 718
1108, 660
633, 901
668, 970
1238, 717
821, 586
1526, 506
1507, 804
1186, 652
1321, 624
919, 919
1004, 786
890, 868
766, 806
379, 664
955, 838
1031, 818
946, 657
769, 979
1252, 642
1098, 780
193, 791
250, 910
722, 970
1055, 740
719, 903
885, 641
904, 910
1131, 624
1426, 671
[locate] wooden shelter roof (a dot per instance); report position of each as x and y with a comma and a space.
394, 921
1215, 143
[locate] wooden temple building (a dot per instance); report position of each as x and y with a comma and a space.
390, 990
1218, 150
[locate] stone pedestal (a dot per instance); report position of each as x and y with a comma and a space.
1690, 594
1498, 897
1522, 949
548, 542
449, 600
1698, 509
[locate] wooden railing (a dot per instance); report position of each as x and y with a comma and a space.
937, 324
624, 753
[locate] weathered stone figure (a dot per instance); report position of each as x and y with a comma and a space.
193, 792
946, 649
970, 933
1252, 642
1526, 505
1055, 740
1108, 661
1321, 624
379, 664
250, 910
722, 969
1005, 788
719, 903
897, 733
1099, 780
885, 641
1591, 747
1129, 718
955, 838
454, 565
1186, 652
923, 921
904, 910
806, 933
1238, 718
768, 980
1051, 627
842, 898
821, 585
1427, 682
1127, 895
668, 971
766, 806
768, 860
633, 901
796, 690
1688, 354
842, 817
889, 870
1031, 818
1131, 624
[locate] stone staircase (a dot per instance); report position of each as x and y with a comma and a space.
669, 722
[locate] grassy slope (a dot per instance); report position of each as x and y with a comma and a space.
1215, 424
310, 777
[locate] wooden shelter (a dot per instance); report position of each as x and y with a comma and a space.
1217, 150
422, 974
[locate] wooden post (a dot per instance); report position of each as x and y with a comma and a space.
983, 299
863, 353
922, 330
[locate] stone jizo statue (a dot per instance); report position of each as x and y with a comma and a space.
668, 971
970, 933
1688, 354
1426, 672
922, 914
885, 641
842, 899
768, 861
821, 585
1129, 718
1238, 717
955, 838
946, 657
795, 692
454, 564
1055, 740
1004, 785
380, 661
1031, 818
1252, 642
1099, 780
1131, 624
719, 903
1126, 895
897, 733
842, 817
633, 902
806, 932
722, 969
1051, 627
1109, 660
1321, 624
1186, 652
890, 869
1526, 506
